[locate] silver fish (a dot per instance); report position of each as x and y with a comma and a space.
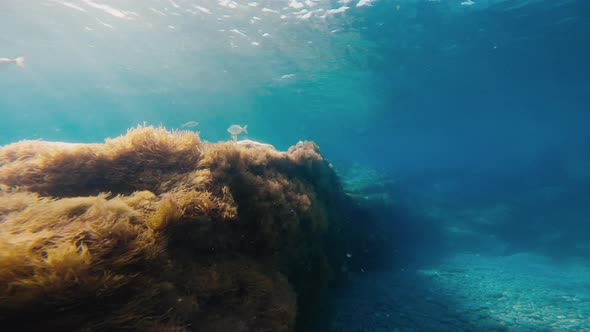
190, 124
237, 129
20, 61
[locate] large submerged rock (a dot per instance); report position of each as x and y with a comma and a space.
159, 231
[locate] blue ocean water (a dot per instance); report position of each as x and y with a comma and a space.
473, 116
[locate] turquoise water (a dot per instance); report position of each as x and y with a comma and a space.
93, 69
467, 122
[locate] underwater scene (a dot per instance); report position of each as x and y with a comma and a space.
294, 165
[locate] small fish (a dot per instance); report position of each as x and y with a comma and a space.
20, 61
190, 124
235, 130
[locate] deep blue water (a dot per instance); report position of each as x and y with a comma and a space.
479, 111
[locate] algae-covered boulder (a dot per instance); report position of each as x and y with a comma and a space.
159, 231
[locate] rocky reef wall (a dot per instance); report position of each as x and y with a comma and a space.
157, 230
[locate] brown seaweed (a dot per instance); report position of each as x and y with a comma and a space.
159, 231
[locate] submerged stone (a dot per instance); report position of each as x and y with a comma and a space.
159, 231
